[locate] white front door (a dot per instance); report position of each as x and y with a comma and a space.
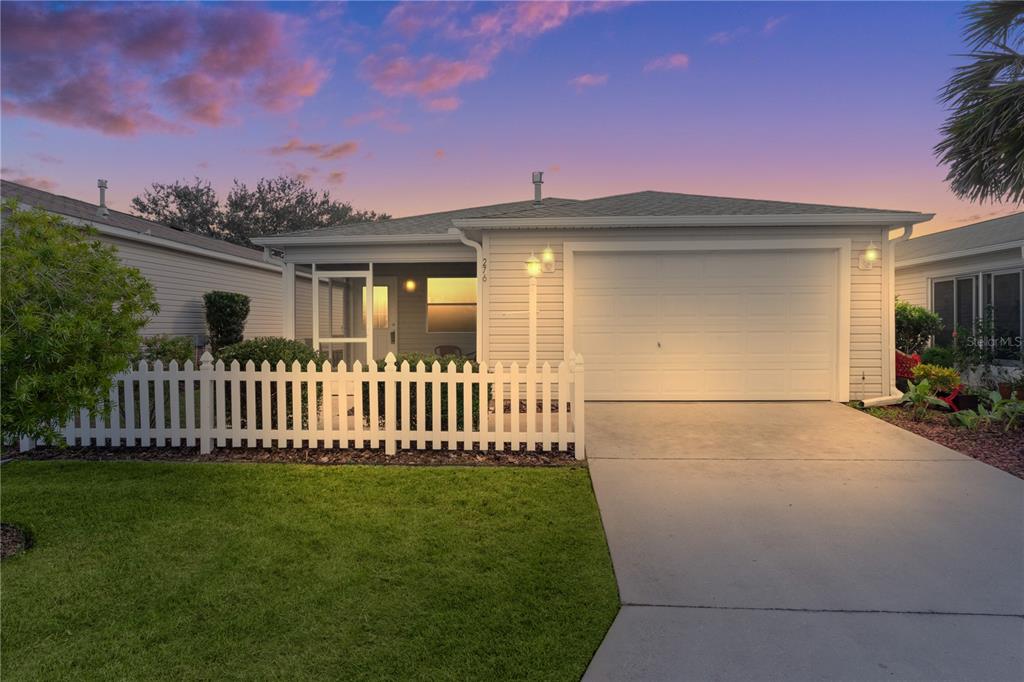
385, 315
718, 325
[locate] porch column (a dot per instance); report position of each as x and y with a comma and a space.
288, 301
316, 310
368, 313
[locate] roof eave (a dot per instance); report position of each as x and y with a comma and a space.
798, 219
340, 240
962, 253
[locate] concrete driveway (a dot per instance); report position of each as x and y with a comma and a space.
802, 541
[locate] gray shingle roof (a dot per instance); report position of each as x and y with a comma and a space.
987, 233
83, 210
428, 223
651, 203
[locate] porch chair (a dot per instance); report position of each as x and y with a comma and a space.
447, 350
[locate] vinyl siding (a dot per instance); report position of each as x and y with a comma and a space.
180, 280
505, 292
912, 282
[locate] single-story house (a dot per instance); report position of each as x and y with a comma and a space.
666, 296
182, 266
959, 273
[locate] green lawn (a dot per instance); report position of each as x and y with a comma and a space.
213, 571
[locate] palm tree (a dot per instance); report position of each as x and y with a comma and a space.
983, 138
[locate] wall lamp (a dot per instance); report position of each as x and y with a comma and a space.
870, 256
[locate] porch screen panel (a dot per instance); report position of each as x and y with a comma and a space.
942, 304
1006, 314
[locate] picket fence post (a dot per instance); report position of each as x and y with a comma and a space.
390, 419
578, 418
206, 404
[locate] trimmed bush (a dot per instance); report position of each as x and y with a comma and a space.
915, 325
272, 349
941, 379
166, 348
428, 360
936, 355
226, 313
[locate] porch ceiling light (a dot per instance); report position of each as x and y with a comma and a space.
870, 256
547, 258
410, 285
533, 266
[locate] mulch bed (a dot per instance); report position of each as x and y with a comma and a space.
309, 456
12, 540
991, 445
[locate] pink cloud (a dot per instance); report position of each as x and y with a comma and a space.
47, 158
321, 151
442, 104
123, 69
676, 60
726, 37
15, 175
588, 80
336, 177
772, 24
555, 168
422, 76
383, 118
438, 153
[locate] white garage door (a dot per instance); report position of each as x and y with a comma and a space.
721, 325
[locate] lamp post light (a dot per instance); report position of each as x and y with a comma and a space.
533, 270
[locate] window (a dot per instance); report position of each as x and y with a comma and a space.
451, 304
380, 306
959, 301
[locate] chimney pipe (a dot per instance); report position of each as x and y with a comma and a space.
538, 180
102, 210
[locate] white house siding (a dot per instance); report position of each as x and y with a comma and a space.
505, 292
912, 282
180, 280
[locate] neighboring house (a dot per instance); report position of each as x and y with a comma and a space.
183, 266
666, 296
959, 273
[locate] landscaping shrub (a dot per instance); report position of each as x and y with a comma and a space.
272, 349
915, 325
428, 398
937, 355
920, 397
226, 313
71, 314
166, 348
941, 379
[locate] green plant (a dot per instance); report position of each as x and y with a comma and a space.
428, 399
920, 397
938, 355
71, 317
914, 326
272, 349
1007, 410
974, 349
166, 348
967, 419
226, 313
941, 379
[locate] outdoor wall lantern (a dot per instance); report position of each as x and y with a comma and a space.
547, 259
533, 266
870, 256
410, 285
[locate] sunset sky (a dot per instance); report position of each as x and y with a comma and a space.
410, 108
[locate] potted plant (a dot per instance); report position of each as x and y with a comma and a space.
969, 398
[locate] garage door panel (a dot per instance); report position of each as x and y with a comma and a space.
731, 325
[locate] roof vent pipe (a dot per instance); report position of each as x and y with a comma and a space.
102, 210
538, 180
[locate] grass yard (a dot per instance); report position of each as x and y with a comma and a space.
213, 571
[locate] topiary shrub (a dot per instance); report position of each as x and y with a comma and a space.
272, 349
166, 348
71, 314
937, 355
226, 313
915, 325
941, 379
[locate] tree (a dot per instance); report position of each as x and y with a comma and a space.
70, 318
189, 207
983, 138
274, 206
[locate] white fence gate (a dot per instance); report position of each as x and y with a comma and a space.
421, 407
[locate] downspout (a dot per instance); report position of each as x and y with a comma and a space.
895, 394
479, 249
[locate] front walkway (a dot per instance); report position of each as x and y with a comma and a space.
802, 541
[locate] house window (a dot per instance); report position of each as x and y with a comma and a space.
959, 301
451, 304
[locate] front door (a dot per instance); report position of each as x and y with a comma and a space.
385, 315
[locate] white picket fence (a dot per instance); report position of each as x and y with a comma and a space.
420, 407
